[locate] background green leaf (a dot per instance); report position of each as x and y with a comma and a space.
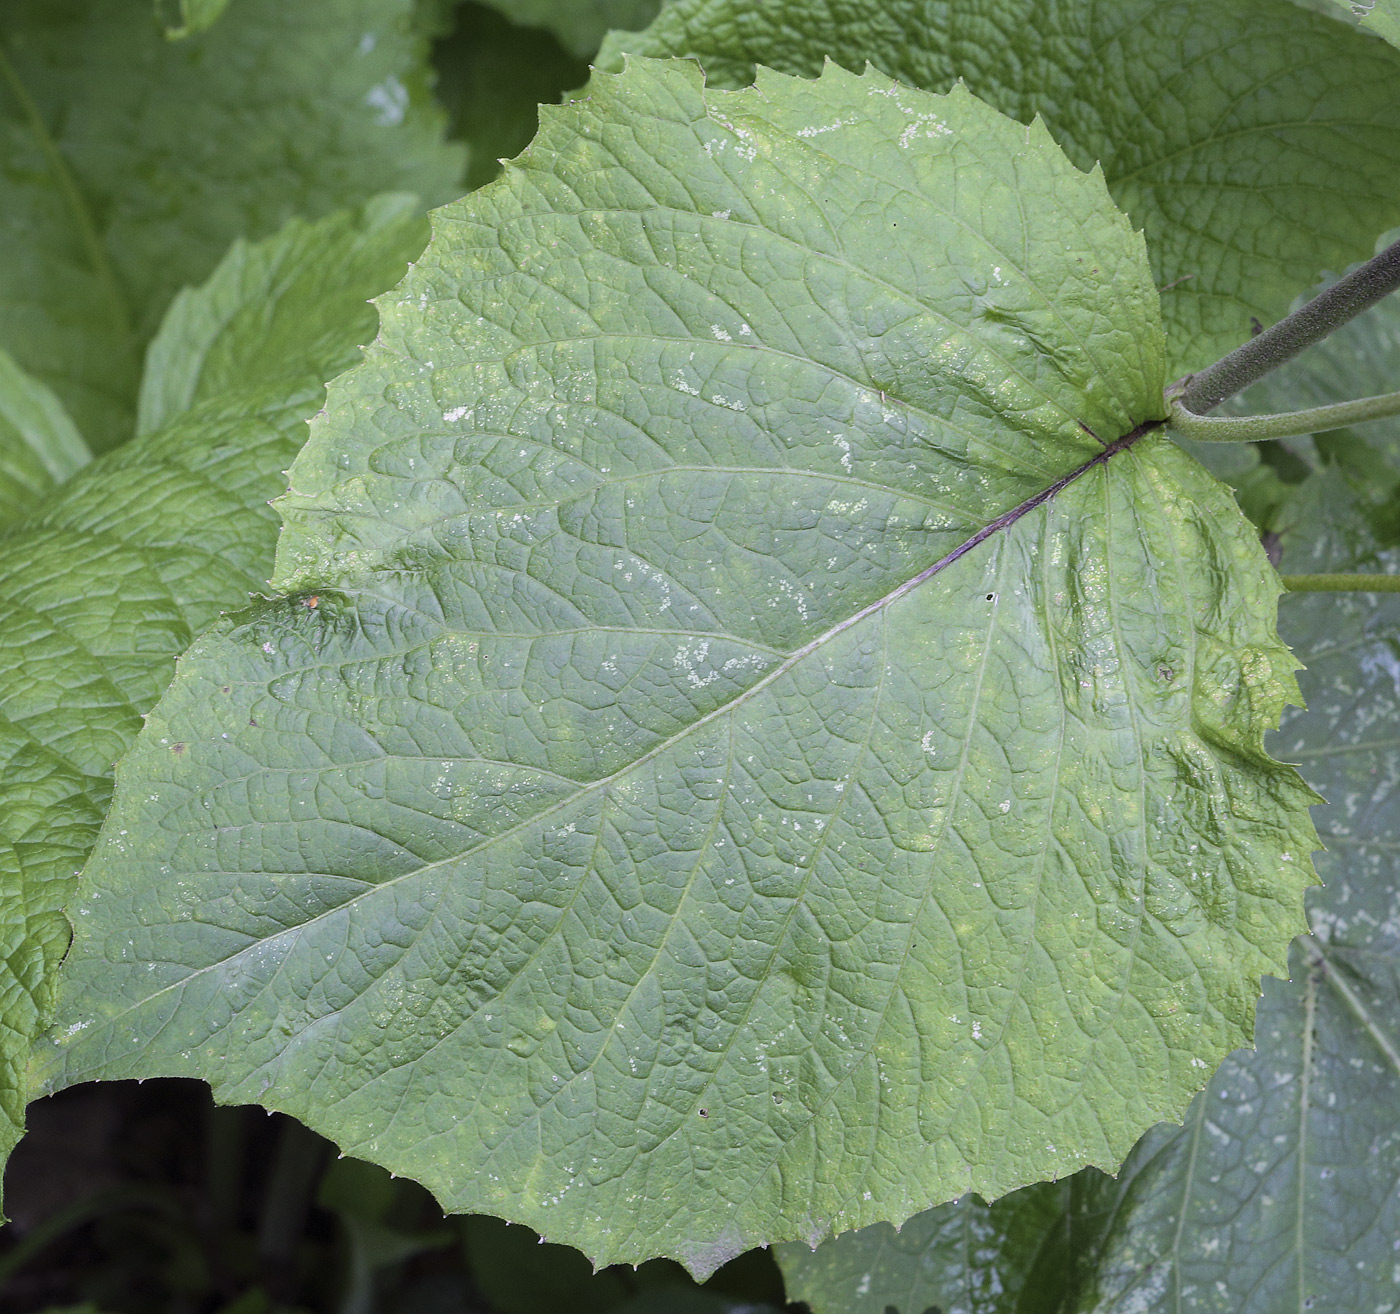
39, 445
1216, 121
109, 579
579, 24
492, 78
1009, 1257
131, 162
742, 758
189, 17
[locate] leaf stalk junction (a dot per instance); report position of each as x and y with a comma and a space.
1189, 400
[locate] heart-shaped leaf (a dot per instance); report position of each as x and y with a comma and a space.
766, 735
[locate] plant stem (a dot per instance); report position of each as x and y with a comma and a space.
1329, 310
1372, 583
1257, 428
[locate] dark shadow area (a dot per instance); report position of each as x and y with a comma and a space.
146, 1198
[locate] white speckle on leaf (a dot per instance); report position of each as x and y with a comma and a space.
830, 127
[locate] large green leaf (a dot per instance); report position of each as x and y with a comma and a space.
108, 580
579, 24
1216, 121
39, 445
741, 757
131, 162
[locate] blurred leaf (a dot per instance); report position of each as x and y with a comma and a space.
579, 24
690, 1301
492, 78
128, 163
39, 445
1379, 16
190, 17
520, 1274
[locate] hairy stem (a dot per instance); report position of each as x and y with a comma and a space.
1326, 312
1341, 583
1258, 428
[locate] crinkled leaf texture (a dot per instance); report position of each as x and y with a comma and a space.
39, 445
131, 162
1281, 1189
109, 579
741, 758
1216, 121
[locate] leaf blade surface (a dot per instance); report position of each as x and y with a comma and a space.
1213, 123
108, 578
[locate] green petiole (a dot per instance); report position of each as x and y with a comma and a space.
1260, 428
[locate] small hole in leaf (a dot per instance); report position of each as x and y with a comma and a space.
704, 1113
991, 597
